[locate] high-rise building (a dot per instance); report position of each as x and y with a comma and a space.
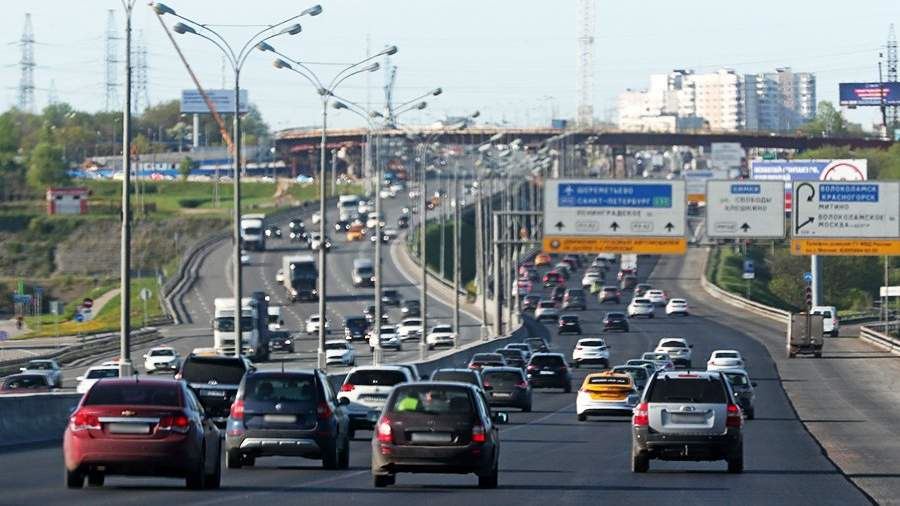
780, 101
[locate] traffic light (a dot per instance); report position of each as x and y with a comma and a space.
809, 297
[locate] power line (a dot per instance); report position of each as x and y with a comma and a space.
26, 65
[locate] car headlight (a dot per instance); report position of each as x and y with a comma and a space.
287, 341
293, 291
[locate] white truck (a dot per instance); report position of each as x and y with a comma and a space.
348, 204
253, 327
300, 277
253, 234
276, 318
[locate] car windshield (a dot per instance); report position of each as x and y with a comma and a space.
102, 373
547, 361
695, 390
225, 370
460, 376
162, 353
133, 394
432, 400
287, 388
39, 366
375, 377
737, 379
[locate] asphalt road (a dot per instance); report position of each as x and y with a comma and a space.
547, 456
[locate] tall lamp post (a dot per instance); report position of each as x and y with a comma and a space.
236, 60
125, 364
325, 93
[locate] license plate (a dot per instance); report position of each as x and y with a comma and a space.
502, 394
687, 418
280, 418
373, 416
128, 428
548, 373
431, 437
212, 393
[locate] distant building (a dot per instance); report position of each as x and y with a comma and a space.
67, 200
681, 100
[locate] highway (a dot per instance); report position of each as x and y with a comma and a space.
547, 456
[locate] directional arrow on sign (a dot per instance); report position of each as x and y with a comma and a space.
745, 227
669, 227
560, 225
614, 226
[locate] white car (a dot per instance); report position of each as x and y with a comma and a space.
677, 306
662, 360
830, 323
640, 307
279, 277
591, 350
387, 193
161, 358
546, 310
312, 324
367, 388
339, 352
409, 328
316, 217
365, 207
440, 335
656, 297
589, 278
372, 220
678, 350
245, 258
389, 339
95, 374
724, 359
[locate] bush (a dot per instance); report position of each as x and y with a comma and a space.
191, 203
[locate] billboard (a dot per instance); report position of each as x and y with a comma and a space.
869, 94
808, 170
192, 101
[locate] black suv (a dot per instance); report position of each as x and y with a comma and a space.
569, 323
390, 297
687, 415
355, 328
549, 370
410, 308
293, 414
615, 321
214, 379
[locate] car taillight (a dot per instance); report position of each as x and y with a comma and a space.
487, 385
478, 435
531, 368
347, 387
473, 366
179, 423
84, 421
578, 348
641, 417
323, 411
522, 384
384, 432
734, 416
237, 410
177, 376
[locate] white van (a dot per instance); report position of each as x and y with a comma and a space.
830, 324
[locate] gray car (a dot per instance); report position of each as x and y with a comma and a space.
687, 416
743, 388
48, 367
507, 387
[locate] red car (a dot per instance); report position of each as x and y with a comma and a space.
141, 427
553, 278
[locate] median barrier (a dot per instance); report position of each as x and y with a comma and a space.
34, 418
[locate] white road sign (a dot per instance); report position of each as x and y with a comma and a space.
145, 294
844, 209
745, 209
614, 208
192, 101
726, 155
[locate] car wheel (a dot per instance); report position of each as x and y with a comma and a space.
751, 414
582, 417
196, 478
568, 388
736, 460
488, 481
344, 456
383, 480
430, 346
639, 463
651, 316
576, 365
331, 457
526, 408
96, 478
74, 479
233, 459
213, 481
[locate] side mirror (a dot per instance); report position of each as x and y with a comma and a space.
145, 356
753, 383
500, 418
690, 346
343, 401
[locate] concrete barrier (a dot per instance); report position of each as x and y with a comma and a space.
34, 418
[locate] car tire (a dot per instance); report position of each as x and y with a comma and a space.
213, 481
196, 478
736, 460
582, 417
96, 478
233, 459
344, 456
430, 347
526, 408
383, 480
639, 463
751, 414
567, 389
489, 480
74, 479
331, 458
651, 316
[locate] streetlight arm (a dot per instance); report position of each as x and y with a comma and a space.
336, 82
247, 48
315, 78
314, 82
340, 75
224, 47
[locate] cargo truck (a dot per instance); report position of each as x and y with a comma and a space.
300, 277
805, 335
253, 234
254, 326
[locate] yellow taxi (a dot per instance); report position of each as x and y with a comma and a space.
357, 232
606, 393
542, 259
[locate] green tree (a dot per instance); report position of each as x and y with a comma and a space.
829, 122
46, 166
184, 167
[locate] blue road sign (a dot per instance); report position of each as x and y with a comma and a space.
807, 276
21, 298
615, 195
748, 266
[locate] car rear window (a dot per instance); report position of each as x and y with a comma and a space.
102, 373
634, 372
593, 343
615, 316
432, 400
224, 370
376, 377
569, 318
547, 360
162, 353
677, 301
641, 301
502, 377
293, 388
487, 357
726, 355
335, 346
575, 293
695, 390
442, 328
39, 366
673, 344
356, 322
825, 314
548, 304
136, 394
460, 376
510, 353
609, 289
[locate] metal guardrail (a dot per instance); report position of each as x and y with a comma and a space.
874, 334
772, 313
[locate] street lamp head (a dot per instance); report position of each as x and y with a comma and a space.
281, 64
182, 28
293, 29
373, 67
265, 46
390, 50
315, 10
475, 114
161, 9
436, 92
340, 105
496, 137
421, 105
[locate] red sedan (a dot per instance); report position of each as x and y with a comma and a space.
553, 278
141, 427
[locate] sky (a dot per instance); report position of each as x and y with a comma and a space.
513, 60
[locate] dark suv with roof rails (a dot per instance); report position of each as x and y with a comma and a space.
214, 379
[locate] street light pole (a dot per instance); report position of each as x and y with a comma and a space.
125, 365
423, 225
457, 230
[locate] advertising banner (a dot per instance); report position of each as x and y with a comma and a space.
869, 94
